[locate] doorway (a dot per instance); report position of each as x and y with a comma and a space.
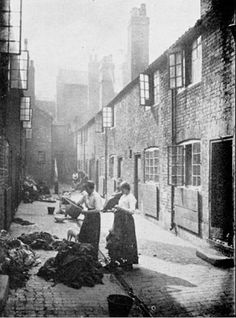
137, 175
221, 217
119, 167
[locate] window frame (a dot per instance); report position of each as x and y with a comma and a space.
197, 62
157, 87
19, 71
107, 117
25, 108
175, 65
155, 174
12, 20
181, 166
146, 90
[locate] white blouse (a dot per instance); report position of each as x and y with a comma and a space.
128, 202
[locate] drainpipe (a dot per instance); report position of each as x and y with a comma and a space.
233, 30
173, 142
105, 159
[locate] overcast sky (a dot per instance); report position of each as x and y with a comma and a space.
62, 33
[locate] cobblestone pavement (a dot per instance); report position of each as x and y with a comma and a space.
39, 297
169, 276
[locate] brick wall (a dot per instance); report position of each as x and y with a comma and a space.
204, 112
41, 142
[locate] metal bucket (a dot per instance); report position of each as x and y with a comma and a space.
119, 305
51, 209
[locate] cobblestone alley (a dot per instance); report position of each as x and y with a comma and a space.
169, 276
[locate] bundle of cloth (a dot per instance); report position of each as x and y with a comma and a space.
16, 259
41, 240
75, 265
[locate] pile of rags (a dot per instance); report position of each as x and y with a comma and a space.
21, 221
16, 259
41, 240
75, 265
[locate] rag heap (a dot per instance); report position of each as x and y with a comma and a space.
16, 259
41, 240
75, 265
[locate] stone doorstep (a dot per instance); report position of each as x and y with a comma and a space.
214, 257
4, 289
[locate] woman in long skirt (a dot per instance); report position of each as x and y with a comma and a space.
90, 229
121, 241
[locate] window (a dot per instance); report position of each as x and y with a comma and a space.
98, 123
25, 110
196, 153
41, 157
19, 70
28, 133
157, 87
176, 165
176, 69
10, 26
184, 164
196, 61
27, 124
111, 166
107, 115
152, 164
146, 90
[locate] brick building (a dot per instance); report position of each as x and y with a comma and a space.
72, 95
13, 83
172, 135
39, 162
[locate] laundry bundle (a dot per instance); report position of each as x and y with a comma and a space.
75, 265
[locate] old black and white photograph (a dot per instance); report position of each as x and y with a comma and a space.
117, 158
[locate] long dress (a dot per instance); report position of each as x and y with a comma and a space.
121, 241
90, 229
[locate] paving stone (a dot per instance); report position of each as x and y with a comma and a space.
176, 281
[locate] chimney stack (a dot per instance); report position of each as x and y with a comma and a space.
93, 85
106, 81
138, 42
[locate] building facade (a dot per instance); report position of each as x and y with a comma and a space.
172, 135
13, 84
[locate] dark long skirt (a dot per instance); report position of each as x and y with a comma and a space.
121, 241
90, 230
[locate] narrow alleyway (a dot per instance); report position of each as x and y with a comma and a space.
169, 276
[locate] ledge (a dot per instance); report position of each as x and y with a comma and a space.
215, 258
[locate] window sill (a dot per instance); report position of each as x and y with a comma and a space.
152, 182
190, 86
190, 187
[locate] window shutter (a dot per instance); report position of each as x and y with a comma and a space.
176, 76
146, 90
176, 165
98, 123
